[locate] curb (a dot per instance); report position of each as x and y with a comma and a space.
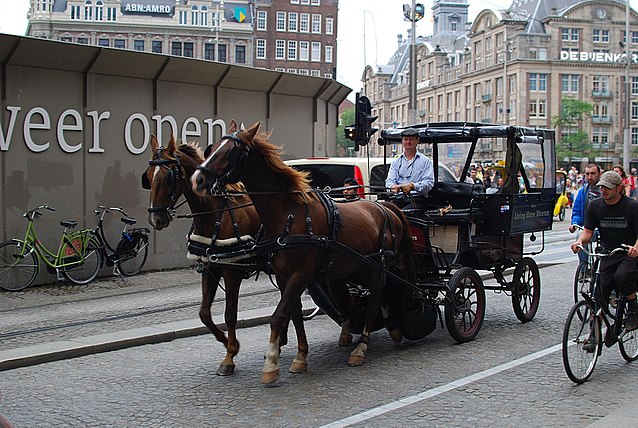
79, 347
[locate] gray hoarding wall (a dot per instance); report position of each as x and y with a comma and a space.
76, 124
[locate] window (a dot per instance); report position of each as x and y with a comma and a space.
292, 49
99, 11
111, 14
209, 51
330, 22
304, 22
328, 54
600, 36
75, 12
261, 49
600, 84
188, 49
293, 18
103, 42
634, 37
316, 23
315, 53
83, 40
315, 2
569, 83
569, 34
328, 75
294, 1
601, 109
600, 136
280, 47
119, 43
176, 48
88, 11
138, 45
281, 21
304, 72
183, 17
222, 53
291, 70
537, 108
304, 51
203, 20
156, 46
634, 136
537, 81
315, 73
194, 15
634, 86
634, 110
240, 54
66, 39
262, 15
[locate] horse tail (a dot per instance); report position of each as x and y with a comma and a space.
406, 247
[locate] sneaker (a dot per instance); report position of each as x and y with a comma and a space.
610, 336
631, 321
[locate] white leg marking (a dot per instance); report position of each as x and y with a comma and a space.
271, 363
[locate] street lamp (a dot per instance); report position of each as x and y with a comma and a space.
413, 14
626, 134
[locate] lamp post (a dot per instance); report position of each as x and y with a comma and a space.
626, 133
412, 99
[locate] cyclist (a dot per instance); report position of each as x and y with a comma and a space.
411, 172
589, 192
616, 217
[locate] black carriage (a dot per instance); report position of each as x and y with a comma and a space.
468, 227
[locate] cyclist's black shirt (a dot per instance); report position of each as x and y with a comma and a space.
618, 224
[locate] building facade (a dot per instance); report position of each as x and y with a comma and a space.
516, 66
297, 36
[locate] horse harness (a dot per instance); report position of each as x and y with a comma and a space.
173, 176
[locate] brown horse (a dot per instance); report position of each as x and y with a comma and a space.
167, 179
311, 246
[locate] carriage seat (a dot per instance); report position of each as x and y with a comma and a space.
455, 216
459, 195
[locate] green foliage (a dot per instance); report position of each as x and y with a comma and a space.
575, 144
345, 147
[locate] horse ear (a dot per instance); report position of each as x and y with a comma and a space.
170, 149
154, 143
232, 127
252, 131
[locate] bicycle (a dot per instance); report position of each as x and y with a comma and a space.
583, 334
129, 255
78, 258
585, 270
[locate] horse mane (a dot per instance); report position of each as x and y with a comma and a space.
296, 181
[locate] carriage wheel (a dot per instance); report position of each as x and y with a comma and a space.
464, 305
526, 292
561, 213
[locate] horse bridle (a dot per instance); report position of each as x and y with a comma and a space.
235, 157
174, 175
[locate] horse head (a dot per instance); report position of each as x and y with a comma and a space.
224, 161
164, 177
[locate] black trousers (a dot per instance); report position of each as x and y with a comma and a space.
620, 271
411, 203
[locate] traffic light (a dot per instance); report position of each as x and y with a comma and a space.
350, 132
363, 120
419, 11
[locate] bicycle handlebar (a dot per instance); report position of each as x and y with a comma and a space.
103, 209
623, 247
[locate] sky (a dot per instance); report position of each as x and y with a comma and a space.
381, 19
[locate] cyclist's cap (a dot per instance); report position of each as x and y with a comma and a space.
410, 132
610, 179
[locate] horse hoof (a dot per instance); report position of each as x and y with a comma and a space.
298, 367
270, 377
355, 361
396, 335
226, 370
345, 339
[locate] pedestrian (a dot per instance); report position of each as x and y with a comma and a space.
350, 192
625, 180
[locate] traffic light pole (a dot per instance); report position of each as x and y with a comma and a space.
412, 99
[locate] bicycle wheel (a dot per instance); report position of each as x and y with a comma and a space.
582, 280
18, 265
132, 258
308, 306
581, 329
628, 344
83, 273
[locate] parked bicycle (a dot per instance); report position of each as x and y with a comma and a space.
129, 255
592, 322
77, 258
585, 270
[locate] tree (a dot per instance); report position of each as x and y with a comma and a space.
577, 144
345, 147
